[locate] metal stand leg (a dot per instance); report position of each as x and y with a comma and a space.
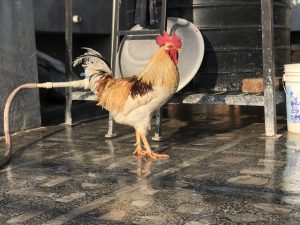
163, 16
113, 54
268, 67
69, 52
110, 132
159, 113
158, 119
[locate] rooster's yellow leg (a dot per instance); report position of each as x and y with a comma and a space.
138, 150
149, 152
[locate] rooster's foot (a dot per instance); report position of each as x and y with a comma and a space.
139, 151
154, 155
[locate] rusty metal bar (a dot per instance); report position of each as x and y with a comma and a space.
268, 67
69, 55
8, 146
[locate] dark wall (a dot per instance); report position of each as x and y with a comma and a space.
18, 63
54, 44
93, 31
295, 46
96, 15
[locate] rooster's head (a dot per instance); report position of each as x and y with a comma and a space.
171, 44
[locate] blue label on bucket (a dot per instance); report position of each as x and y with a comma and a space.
292, 105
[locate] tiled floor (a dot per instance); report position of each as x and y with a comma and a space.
221, 170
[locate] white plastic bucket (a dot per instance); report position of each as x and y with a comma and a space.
292, 89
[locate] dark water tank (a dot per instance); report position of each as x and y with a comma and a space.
233, 39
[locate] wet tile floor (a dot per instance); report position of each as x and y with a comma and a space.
221, 170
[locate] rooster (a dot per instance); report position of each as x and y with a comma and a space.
133, 100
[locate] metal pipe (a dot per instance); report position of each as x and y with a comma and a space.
268, 67
114, 35
163, 16
8, 146
69, 53
159, 113
158, 118
113, 54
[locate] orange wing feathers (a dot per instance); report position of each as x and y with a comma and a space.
113, 93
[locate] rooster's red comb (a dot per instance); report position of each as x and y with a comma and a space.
163, 39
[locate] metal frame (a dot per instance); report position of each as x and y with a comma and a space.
268, 100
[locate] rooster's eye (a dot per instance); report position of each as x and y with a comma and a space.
170, 47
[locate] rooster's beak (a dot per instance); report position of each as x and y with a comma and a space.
179, 49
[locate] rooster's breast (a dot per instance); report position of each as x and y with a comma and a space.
138, 110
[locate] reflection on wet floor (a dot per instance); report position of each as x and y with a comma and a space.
221, 170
